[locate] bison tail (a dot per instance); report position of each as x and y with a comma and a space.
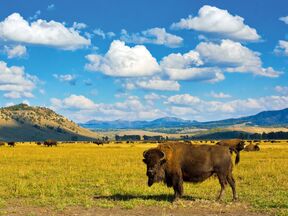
237, 159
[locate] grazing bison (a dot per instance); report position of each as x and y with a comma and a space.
11, 144
50, 143
175, 163
98, 142
252, 147
235, 145
2, 143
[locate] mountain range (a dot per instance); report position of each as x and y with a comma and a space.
32, 123
265, 118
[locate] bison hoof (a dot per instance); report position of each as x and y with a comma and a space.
175, 199
235, 199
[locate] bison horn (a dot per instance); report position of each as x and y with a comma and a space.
144, 153
164, 156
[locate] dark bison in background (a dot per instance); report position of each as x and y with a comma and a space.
11, 144
98, 142
50, 143
235, 145
252, 147
175, 163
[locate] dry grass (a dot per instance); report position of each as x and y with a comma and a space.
114, 175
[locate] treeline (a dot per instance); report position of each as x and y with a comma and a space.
267, 136
239, 135
211, 136
128, 138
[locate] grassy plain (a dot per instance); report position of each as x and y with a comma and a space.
113, 175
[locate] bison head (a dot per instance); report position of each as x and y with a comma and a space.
256, 148
240, 146
155, 160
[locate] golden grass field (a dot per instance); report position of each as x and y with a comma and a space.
113, 175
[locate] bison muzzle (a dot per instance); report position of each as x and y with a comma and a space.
175, 163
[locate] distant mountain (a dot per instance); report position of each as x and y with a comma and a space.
265, 118
27, 123
121, 124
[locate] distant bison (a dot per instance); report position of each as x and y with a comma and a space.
98, 142
38, 143
235, 145
11, 144
50, 143
174, 163
2, 143
252, 147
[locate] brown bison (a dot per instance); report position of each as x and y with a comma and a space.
98, 142
235, 145
50, 143
252, 147
175, 163
11, 144
2, 143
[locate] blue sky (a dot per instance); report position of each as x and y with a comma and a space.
107, 60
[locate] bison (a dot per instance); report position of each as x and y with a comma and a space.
2, 143
98, 142
175, 163
235, 145
11, 144
50, 143
252, 147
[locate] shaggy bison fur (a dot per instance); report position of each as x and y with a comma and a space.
175, 163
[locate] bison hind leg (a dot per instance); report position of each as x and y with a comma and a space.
223, 182
231, 182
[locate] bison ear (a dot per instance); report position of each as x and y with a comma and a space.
144, 153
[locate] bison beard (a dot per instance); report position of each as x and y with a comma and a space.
175, 163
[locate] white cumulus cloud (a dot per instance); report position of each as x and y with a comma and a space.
82, 109
220, 95
41, 32
124, 61
153, 36
214, 20
284, 19
17, 51
235, 57
99, 32
70, 78
186, 67
212, 110
282, 47
15, 83
282, 89
155, 83
73, 102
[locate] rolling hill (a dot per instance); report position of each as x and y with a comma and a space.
27, 123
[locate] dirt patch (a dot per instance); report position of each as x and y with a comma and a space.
181, 208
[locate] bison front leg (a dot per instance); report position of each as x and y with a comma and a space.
177, 186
